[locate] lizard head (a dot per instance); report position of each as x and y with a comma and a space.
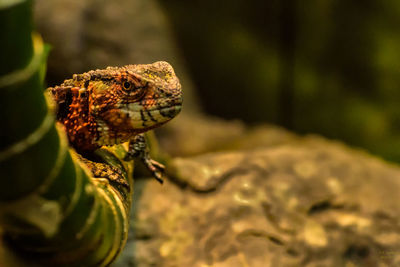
131, 99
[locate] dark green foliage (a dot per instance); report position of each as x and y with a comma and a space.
328, 67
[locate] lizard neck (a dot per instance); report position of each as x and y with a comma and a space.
80, 126
108, 135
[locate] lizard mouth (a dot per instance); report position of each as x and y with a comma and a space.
170, 112
142, 117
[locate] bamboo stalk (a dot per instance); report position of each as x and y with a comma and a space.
52, 211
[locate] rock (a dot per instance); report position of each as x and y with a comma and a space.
190, 134
304, 202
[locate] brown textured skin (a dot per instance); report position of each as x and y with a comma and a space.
103, 170
111, 106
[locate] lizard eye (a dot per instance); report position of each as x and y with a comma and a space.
127, 85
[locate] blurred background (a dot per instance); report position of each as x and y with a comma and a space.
326, 67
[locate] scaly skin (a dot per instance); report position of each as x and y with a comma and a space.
118, 104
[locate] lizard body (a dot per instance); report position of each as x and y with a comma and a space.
118, 104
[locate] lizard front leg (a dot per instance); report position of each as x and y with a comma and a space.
138, 148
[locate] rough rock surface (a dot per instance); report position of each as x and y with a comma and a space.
303, 202
189, 135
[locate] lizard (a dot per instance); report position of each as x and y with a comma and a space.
111, 106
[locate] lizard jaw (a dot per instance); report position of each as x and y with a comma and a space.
145, 119
135, 122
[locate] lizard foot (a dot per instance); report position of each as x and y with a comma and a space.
138, 149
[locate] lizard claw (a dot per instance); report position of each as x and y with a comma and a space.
157, 165
155, 168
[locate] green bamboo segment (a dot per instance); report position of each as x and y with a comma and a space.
92, 232
26, 120
16, 18
52, 212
